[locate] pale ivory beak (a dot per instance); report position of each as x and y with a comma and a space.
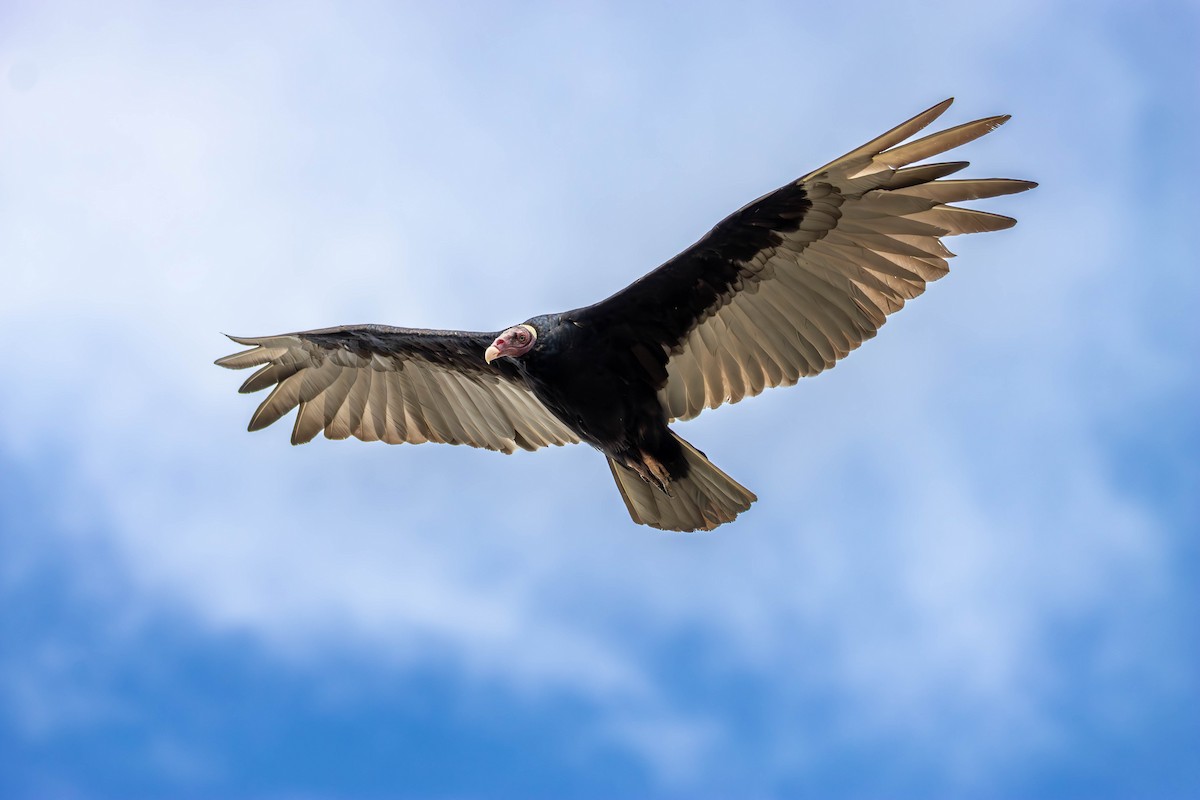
491, 354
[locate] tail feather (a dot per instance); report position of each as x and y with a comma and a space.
706, 498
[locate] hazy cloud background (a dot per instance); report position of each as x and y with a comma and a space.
973, 568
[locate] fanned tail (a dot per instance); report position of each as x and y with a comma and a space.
706, 498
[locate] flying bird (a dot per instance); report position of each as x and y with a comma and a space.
781, 289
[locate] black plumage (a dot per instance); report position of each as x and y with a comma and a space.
780, 289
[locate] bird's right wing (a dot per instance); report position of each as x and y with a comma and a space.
796, 280
396, 385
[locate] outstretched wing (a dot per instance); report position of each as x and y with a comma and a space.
794, 281
395, 385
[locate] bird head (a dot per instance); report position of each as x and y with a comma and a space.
514, 342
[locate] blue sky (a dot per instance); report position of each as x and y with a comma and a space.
973, 568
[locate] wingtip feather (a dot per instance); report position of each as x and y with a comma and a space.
940, 142
891, 138
236, 360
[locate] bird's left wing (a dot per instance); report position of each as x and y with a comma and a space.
396, 385
791, 283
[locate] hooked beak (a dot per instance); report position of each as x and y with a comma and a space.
512, 343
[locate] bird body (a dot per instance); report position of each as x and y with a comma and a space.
781, 289
595, 384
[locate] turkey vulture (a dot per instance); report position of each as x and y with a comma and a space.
781, 289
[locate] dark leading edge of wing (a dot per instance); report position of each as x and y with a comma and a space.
795, 280
395, 385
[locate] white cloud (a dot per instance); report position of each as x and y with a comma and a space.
933, 512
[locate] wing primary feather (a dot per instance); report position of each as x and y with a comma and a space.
941, 141
268, 375
895, 289
955, 191
309, 420
894, 136
249, 358
956, 221
282, 399
914, 176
